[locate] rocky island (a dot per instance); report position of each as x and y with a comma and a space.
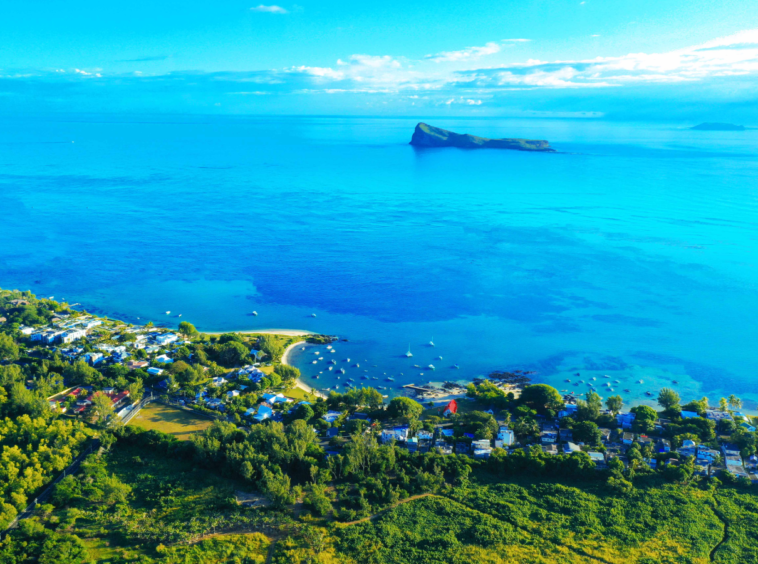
718, 127
429, 136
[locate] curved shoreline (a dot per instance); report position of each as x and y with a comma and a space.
299, 383
286, 332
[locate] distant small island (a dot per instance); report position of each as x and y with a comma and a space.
429, 136
718, 127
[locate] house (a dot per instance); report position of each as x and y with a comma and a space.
24, 330
219, 381
605, 434
163, 359
135, 364
232, 394
506, 436
748, 427
663, 445
627, 438
265, 411
688, 448
154, 371
481, 444
565, 435
250, 412
569, 409
72, 335
332, 432
706, 455
569, 448
598, 458
214, 403
93, 358
450, 409
447, 432
257, 354
549, 435
166, 339
717, 416
689, 414
396, 434
550, 449
424, 435
443, 447
275, 398
331, 416
625, 420
644, 440
482, 453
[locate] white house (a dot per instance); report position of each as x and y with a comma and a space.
154, 371
163, 359
24, 330
396, 434
166, 338
232, 394
275, 398
568, 448
264, 412
331, 416
506, 436
72, 335
219, 381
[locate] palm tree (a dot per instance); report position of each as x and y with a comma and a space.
735, 402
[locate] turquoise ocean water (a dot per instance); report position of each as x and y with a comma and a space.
632, 253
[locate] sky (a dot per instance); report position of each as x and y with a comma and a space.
617, 59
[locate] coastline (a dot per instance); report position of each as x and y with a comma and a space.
285, 332
299, 383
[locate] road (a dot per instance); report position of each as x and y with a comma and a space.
73, 468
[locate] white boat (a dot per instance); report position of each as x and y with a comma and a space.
430, 367
179, 315
255, 313
168, 313
409, 354
431, 343
315, 362
456, 366
313, 315
330, 368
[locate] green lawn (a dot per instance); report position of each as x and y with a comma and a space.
171, 420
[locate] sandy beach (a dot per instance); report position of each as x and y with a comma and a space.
299, 383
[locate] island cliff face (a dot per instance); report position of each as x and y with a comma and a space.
429, 136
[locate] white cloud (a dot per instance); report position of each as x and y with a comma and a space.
269, 9
467, 54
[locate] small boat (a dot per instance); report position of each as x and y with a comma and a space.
321, 358
351, 379
674, 382
302, 349
328, 346
421, 374
330, 368
456, 366
316, 376
168, 313
627, 391
364, 377
640, 382
390, 379
316, 352
313, 315
594, 378
315, 362
332, 361
439, 358
409, 354
255, 313
567, 380
416, 366
617, 381
606, 376
374, 378
179, 315
430, 367
431, 343
648, 393
357, 365
347, 360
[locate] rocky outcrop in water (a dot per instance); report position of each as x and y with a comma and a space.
429, 136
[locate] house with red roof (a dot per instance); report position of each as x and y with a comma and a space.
450, 409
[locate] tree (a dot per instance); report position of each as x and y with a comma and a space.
723, 404
734, 402
233, 353
542, 398
272, 347
404, 408
287, 372
614, 404
588, 409
668, 398
304, 411
187, 329
644, 418
60, 548
81, 373
102, 408
699, 406
587, 432
136, 390
8, 348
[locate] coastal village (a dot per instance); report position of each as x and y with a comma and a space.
128, 366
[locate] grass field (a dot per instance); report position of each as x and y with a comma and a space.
171, 420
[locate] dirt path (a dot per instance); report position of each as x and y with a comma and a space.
725, 536
383, 511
